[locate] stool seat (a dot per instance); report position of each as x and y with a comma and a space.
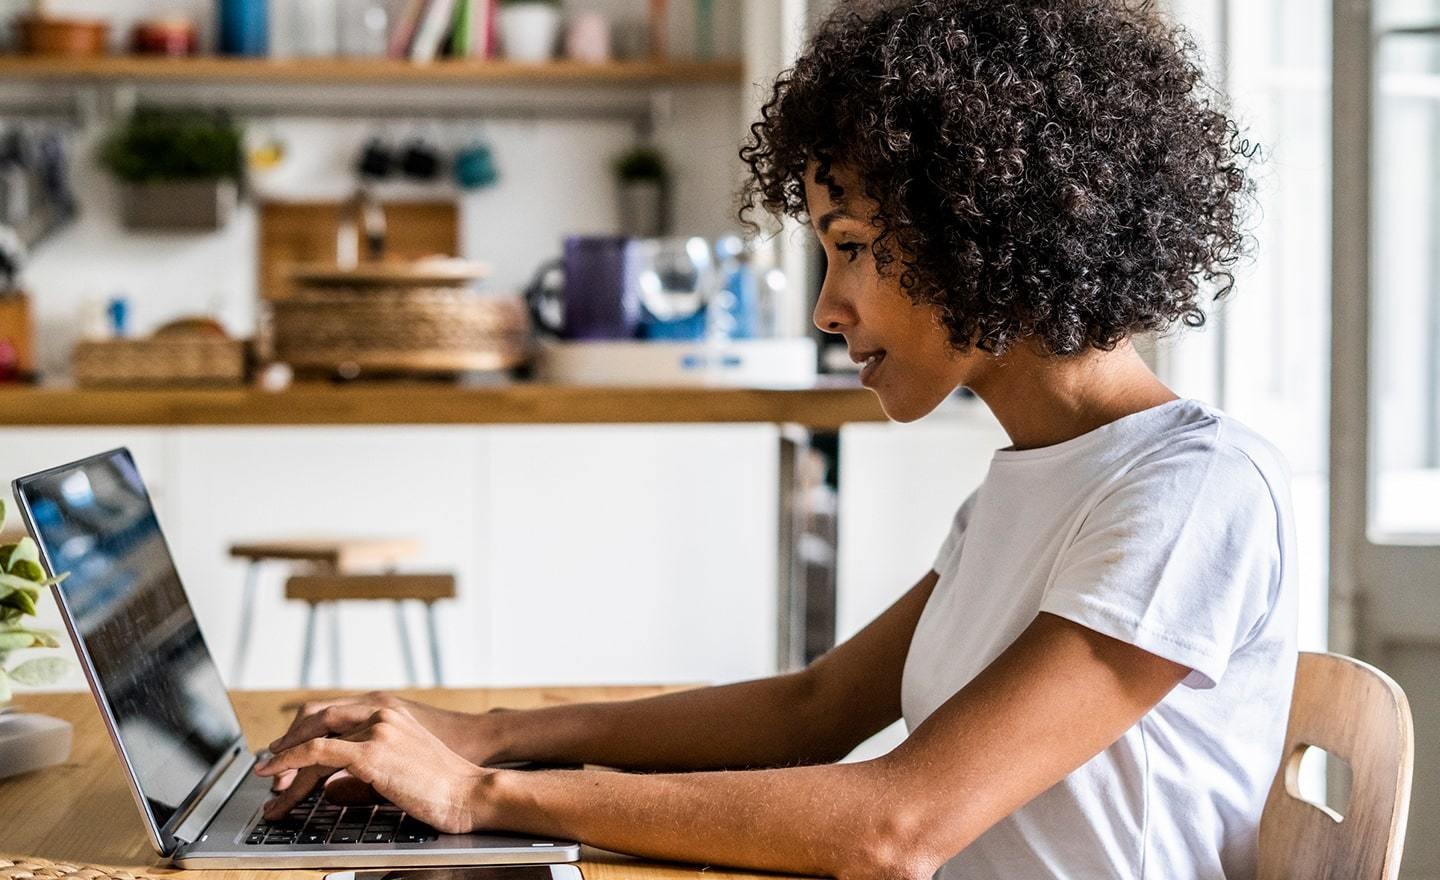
366, 587
336, 554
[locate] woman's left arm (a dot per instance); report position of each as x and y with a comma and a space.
1052, 700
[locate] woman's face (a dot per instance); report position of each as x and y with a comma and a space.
908, 361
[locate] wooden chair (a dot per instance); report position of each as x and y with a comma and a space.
1356, 712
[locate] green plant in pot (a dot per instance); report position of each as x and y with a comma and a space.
178, 169
644, 179
27, 742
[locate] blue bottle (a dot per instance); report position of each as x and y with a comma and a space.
244, 28
741, 286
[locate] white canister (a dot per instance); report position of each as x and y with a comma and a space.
528, 31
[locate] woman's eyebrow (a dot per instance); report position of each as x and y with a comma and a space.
840, 213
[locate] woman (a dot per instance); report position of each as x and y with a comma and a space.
1096, 672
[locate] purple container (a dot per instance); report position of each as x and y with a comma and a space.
598, 302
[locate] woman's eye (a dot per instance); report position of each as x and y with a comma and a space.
851, 250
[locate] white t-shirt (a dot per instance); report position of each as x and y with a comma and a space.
1170, 529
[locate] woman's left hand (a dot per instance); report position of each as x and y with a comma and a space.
398, 758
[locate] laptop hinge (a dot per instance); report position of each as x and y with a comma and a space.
209, 803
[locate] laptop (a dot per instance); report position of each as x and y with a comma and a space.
167, 709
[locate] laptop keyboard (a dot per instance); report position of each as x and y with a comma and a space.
317, 821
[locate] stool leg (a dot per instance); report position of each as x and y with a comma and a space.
247, 619
334, 615
409, 657
434, 643
309, 652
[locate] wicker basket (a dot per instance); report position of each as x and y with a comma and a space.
199, 360
379, 323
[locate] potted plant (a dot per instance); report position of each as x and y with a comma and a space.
178, 169
644, 179
27, 742
529, 29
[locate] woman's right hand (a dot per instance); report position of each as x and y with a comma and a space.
468, 735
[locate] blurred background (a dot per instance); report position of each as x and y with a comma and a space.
244, 198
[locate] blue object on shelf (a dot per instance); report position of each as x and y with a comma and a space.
118, 312
244, 27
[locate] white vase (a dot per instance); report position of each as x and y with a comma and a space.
528, 31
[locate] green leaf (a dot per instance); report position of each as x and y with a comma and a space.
12, 640
2, 512
28, 569
40, 671
25, 550
22, 600
19, 583
4, 687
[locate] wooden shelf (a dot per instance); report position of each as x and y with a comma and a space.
350, 70
824, 407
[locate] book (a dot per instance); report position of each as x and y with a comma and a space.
434, 26
403, 34
482, 23
462, 36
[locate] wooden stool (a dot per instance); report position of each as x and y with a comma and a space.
328, 589
318, 556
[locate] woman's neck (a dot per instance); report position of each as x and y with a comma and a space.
1041, 401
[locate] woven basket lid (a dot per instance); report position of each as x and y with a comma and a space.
431, 273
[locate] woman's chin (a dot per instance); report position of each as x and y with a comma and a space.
905, 408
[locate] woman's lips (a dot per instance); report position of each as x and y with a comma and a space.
870, 365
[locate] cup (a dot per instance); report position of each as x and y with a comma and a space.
585, 295
528, 31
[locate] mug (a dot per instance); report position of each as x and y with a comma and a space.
585, 295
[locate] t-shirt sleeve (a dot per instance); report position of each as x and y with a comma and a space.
1181, 557
950, 548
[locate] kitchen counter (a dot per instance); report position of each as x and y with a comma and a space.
824, 407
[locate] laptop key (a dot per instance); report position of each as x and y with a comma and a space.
255, 837
342, 835
377, 837
313, 837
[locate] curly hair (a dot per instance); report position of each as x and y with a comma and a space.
1054, 170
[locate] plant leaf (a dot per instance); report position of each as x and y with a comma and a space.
25, 550
18, 583
13, 640
28, 569
40, 671
23, 600
2, 512
4, 687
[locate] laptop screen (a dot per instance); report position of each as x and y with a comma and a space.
174, 719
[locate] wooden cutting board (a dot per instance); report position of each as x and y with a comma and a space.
303, 233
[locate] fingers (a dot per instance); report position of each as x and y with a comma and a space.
333, 753
342, 788
283, 781
332, 718
303, 782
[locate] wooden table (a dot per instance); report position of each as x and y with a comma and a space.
81, 812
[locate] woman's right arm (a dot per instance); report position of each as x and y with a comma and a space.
813, 716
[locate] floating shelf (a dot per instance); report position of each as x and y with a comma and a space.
351, 70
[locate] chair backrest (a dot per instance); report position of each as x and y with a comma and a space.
1356, 712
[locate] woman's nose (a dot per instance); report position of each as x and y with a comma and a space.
832, 314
